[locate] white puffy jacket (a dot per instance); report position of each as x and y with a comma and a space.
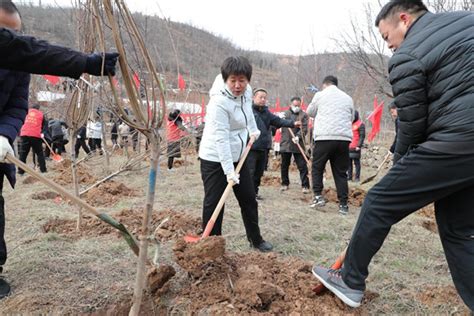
229, 122
94, 130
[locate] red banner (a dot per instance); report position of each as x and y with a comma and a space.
54, 80
181, 83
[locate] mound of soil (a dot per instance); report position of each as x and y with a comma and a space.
177, 225
269, 180
179, 163
46, 195
436, 296
429, 218
356, 196
108, 193
428, 211
65, 174
248, 283
275, 164
30, 180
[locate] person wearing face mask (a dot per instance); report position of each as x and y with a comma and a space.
333, 111
258, 156
230, 123
289, 147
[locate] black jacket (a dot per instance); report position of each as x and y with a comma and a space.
286, 144
265, 120
394, 144
25, 53
432, 77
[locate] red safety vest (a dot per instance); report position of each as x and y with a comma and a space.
33, 124
355, 134
173, 133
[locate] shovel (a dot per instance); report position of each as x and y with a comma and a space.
378, 169
56, 157
217, 210
318, 289
299, 147
103, 216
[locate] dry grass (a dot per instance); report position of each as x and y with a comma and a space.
54, 274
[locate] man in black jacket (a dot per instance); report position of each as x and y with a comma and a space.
258, 155
19, 56
432, 77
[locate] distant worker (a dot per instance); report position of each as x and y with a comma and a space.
355, 147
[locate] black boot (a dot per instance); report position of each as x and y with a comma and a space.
4, 286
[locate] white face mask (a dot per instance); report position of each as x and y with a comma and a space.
295, 109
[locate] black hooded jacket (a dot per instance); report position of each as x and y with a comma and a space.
432, 77
265, 120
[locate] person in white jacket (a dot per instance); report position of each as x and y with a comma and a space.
229, 125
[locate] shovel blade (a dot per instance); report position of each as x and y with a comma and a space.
190, 238
57, 158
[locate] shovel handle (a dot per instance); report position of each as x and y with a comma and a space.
336, 265
59, 189
217, 210
299, 147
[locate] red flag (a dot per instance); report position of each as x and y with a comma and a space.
181, 82
277, 105
52, 79
375, 117
303, 105
136, 80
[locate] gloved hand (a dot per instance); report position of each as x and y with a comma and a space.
42, 135
234, 177
297, 124
94, 64
5, 148
296, 139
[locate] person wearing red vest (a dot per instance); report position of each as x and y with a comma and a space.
30, 134
358, 136
175, 129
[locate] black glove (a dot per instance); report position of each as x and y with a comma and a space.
94, 64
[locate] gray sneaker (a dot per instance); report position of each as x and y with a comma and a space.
332, 280
318, 201
343, 209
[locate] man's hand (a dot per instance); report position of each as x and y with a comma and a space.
5, 148
94, 64
254, 136
357, 148
296, 139
298, 124
233, 178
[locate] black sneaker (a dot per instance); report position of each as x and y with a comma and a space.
333, 281
263, 246
318, 201
4, 286
343, 209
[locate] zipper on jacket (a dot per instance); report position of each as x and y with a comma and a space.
246, 123
241, 147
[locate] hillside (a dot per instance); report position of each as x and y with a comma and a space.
200, 53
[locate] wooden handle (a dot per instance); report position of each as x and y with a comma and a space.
59, 189
299, 146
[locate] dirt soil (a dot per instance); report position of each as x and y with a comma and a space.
270, 180
64, 175
178, 225
108, 193
228, 283
30, 180
46, 195
437, 296
429, 218
356, 196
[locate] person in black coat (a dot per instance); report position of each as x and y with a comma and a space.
19, 56
258, 155
432, 77
81, 141
393, 113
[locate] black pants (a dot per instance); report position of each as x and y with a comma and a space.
354, 162
419, 178
95, 143
170, 163
336, 152
215, 182
256, 160
80, 142
58, 145
300, 163
3, 246
36, 144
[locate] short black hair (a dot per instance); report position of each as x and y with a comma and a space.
36, 105
295, 98
392, 106
415, 7
330, 80
8, 6
236, 65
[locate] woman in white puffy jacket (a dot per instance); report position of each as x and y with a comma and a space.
229, 125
